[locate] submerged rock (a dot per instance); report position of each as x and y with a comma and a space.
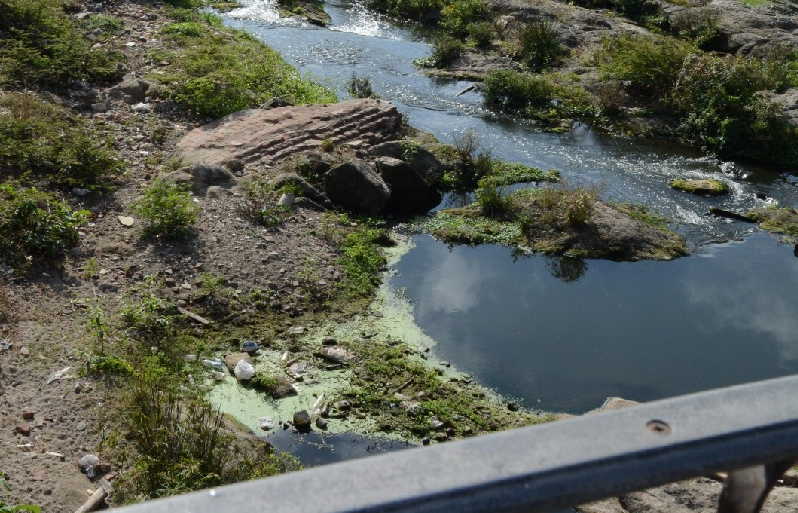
705, 186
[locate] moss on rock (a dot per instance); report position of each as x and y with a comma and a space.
777, 220
705, 186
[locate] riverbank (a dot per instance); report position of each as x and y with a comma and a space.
144, 267
627, 68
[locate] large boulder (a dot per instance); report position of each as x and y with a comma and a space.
419, 159
411, 193
267, 136
357, 187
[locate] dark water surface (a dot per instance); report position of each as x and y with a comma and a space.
560, 334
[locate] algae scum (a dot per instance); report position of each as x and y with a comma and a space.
556, 334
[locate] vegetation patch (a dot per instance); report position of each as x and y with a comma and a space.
35, 226
777, 220
169, 210
41, 46
558, 221
44, 142
709, 186
215, 70
407, 396
540, 46
549, 97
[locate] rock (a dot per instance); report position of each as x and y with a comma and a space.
283, 389
296, 330
244, 371
614, 403
286, 200
231, 360
179, 178
80, 193
266, 423
216, 192
23, 429
142, 107
305, 189
87, 462
336, 354
605, 506
126, 221
272, 135
250, 347
215, 364
708, 186
28, 415
418, 158
342, 405
99, 108
302, 420
322, 424
357, 187
131, 90
411, 193
204, 175
731, 215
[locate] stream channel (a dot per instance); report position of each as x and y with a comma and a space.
559, 334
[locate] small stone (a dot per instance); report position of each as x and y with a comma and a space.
435, 423
440, 437
302, 420
336, 354
23, 429
286, 200
142, 107
24, 351
342, 405
322, 423
296, 330
266, 423
126, 221
28, 415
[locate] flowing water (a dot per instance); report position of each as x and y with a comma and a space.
563, 334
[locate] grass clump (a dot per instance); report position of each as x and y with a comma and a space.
46, 142
446, 50
180, 443
35, 227
544, 97
168, 209
360, 87
540, 46
104, 23
650, 65
363, 261
216, 70
41, 46
459, 14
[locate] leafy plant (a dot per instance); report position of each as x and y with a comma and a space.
540, 45
35, 226
490, 199
41, 46
545, 97
168, 209
46, 141
459, 14
446, 50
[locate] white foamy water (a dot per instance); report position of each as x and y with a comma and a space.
365, 23
260, 10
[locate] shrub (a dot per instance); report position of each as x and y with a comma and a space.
180, 443
491, 202
361, 87
425, 11
536, 96
45, 140
40, 45
104, 23
481, 33
216, 71
459, 14
540, 45
446, 50
722, 108
168, 208
35, 226
578, 206
150, 318
650, 65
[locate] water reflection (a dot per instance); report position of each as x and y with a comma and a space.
642, 330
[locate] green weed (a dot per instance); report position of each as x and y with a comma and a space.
168, 209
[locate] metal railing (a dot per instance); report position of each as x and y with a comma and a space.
538, 468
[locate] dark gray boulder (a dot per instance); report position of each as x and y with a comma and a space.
411, 193
357, 187
418, 158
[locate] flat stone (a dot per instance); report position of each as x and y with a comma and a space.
126, 221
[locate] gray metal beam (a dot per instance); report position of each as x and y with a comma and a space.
539, 468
